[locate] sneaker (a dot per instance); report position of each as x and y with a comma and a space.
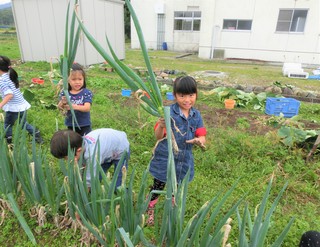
150, 212
150, 220
9, 140
38, 137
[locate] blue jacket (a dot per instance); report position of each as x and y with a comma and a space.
186, 128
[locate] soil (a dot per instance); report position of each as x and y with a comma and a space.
250, 122
254, 123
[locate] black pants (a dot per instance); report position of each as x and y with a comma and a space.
82, 130
157, 185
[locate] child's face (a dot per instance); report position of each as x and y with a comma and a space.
186, 101
76, 80
76, 156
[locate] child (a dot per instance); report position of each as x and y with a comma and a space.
112, 143
187, 127
81, 99
13, 102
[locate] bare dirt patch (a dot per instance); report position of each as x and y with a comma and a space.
254, 123
250, 122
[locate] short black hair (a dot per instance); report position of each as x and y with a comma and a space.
60, 142
185, 85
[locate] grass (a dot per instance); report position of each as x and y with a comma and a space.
231, 153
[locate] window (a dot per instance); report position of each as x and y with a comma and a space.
291, 20
187, 20
237, 24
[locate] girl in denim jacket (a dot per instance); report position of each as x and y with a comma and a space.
187, 127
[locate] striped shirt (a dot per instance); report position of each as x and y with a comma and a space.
17, 103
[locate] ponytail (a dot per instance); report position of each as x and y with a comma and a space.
14, 77
5, 66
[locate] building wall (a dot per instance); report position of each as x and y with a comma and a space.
262, 42
176, 40
41, 28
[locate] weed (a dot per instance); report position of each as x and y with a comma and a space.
243, 123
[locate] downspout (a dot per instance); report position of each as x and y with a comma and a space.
215, 30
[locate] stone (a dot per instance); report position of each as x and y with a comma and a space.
287, 91
238, 87
248, 89
302, 93
258, 89
163, 75
311, 95
276, 90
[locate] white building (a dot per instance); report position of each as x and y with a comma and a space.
270, 30
41, 28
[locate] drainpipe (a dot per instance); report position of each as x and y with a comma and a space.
215, 32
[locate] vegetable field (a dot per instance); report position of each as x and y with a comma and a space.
247, 169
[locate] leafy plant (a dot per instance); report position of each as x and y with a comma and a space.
242, 98
28, 95
292, 135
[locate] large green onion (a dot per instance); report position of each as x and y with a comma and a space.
71, 42
101, 210
21, 219
153, 105
8, 179
258, 228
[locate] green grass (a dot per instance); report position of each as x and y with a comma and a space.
231, 153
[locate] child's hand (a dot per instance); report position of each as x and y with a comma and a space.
162, 122
197, 141
66, 107
64, 100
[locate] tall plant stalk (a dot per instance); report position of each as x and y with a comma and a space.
154, 105
72, 37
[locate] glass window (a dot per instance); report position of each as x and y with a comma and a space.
237, 24
187, 20
291, 20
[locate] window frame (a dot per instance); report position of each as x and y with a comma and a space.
187, 21
292, 23
236, 24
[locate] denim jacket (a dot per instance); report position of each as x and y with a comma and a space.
186, 128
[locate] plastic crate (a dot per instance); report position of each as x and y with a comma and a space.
170, 96
126, 92
287, 106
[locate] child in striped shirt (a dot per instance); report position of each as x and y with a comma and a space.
13, 102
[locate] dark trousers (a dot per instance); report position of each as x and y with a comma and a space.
106, 165
11, 118
157, 185
82, 130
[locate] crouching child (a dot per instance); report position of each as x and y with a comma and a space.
110, 143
